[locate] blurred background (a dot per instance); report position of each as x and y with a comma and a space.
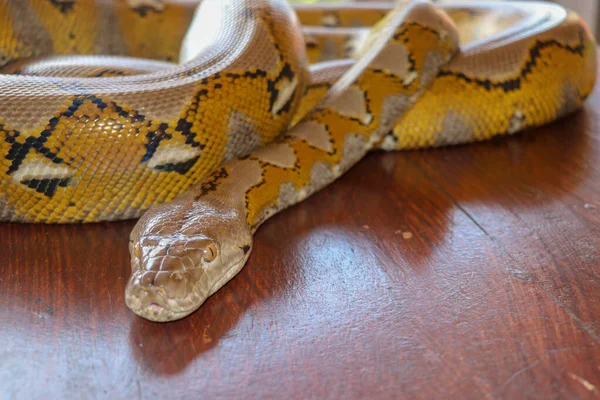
588, 9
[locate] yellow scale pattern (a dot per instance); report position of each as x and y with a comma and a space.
486, 113
321, 16
12, 47
554, 78
99, 145
107, 181
376, 86
68, 35
155, 35
109, 176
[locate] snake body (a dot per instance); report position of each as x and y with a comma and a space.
90, 149
86, 138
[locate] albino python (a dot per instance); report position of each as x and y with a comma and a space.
240, 127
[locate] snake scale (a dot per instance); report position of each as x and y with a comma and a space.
211, 117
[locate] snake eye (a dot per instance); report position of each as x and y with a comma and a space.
210, 252
137, 250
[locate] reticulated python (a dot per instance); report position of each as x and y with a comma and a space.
87, 138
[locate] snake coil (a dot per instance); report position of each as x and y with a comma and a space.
202, 142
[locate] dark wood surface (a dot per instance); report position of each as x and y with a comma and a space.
466, 272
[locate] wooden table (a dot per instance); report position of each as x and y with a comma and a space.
465, 272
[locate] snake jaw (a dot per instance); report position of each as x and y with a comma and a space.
170, 275
153, 302
155, 305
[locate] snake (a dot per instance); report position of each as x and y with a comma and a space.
206, 120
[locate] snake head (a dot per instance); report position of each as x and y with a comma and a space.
181, 253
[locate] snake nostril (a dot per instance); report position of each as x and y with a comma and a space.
137, 251
177, 276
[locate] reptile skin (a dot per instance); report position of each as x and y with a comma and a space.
85, 137
91, 149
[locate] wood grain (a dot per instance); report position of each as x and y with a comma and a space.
466, 272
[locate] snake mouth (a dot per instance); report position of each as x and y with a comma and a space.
159, 309
158, 313
164, 309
